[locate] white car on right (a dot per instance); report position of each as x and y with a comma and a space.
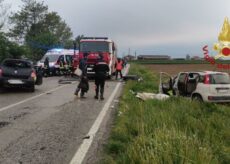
208, 86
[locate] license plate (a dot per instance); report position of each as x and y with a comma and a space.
15, 82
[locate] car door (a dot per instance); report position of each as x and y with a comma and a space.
181, 84
165, 83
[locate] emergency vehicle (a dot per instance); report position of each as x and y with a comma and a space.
55, 55
93, 46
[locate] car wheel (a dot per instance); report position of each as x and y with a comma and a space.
197, 98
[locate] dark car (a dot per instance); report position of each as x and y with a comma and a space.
19, 73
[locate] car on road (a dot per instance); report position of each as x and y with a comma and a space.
19, 73
208, 86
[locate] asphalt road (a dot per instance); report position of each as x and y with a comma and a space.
49, 125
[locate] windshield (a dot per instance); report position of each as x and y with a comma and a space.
17, 64
219, 79
52, 58
94, 46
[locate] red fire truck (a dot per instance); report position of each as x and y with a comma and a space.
93, 46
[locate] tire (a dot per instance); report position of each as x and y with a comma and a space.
197, 98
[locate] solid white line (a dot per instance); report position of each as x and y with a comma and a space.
84, 147
31, 98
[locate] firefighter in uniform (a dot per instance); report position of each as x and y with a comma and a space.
83, 86
101, 69
62, 67
46, 67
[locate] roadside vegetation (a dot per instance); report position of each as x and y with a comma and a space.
32, 30
177, 61
176, 130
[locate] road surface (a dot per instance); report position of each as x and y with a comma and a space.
50, 125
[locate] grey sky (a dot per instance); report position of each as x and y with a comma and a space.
170, 27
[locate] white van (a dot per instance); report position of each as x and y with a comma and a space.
54, 56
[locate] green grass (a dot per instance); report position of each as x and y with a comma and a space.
173, 131
177, 61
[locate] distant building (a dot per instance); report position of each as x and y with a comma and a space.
129, 57
188, 57
178, 58
153, 57
196, 58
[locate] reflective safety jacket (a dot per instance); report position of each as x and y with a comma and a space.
119, 65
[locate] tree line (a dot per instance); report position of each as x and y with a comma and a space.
32, 31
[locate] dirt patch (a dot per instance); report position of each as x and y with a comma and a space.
175, 68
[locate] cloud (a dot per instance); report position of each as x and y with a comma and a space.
139, 24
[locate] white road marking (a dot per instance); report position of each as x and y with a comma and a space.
84, 147
31, 98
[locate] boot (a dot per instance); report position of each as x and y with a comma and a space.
96, 96
102, 92
97, 90
82, 94
101, 97
77, 91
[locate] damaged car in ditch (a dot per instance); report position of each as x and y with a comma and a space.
207, 86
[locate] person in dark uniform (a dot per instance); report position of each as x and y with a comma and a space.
46, 67
101, 69
62, 67
84, 84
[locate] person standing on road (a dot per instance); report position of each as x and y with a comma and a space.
101, 69
46, 67
119, 66
84, 84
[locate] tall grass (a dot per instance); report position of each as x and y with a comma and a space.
173, 131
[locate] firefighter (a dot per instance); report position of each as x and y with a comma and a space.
101, 69
62, 67
46, 67
83, 85
119, 66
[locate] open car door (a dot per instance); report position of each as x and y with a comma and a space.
166, 83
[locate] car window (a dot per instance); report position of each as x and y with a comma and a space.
219, 78
69, 58
201, 78
17, 64
52, 58
182, 77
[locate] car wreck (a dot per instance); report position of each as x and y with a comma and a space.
207, 86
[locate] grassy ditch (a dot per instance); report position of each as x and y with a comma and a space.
172, 131
177, 61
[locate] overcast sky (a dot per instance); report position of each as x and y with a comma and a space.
166, 27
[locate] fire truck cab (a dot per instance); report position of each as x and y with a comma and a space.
93, 46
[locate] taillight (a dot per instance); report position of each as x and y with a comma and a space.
206, 79
0, 72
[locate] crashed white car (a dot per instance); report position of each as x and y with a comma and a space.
208, 86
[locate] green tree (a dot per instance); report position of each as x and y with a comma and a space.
10, 49
39, 29
77, 40
3, 46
